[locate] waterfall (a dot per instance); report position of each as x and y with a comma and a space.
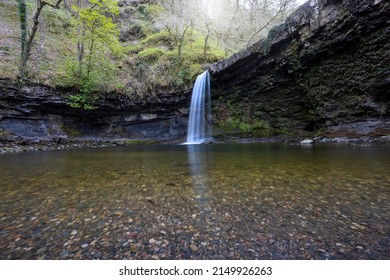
199, 126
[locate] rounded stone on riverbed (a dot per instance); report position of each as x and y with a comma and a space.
64, 254
194, 248
132, 235
238, 212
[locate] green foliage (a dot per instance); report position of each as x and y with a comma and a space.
170, 72
56, 19
82, 101
146, 27
86, 86
151, 11
94, 25
159, 38
79, 48
237, 125
295, 66
239, 119
165, 68
141, 142
294, 47
194, 50
99, 79
28, 38
186, 72
198, 56
272, 34
23, 23
104, 6
132, 49
151, 54
94, 69
312, 115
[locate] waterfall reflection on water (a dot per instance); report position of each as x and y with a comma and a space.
197, 161
229, 201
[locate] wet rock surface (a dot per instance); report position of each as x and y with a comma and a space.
324, 71
39, 113
215, 202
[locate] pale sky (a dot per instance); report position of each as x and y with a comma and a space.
300, 2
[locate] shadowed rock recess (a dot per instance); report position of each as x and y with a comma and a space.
40, 113
324, 72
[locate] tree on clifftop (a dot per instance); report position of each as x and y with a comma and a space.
27, 37
94, 66
96, 36
95, 31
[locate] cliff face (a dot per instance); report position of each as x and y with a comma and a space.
34, 112
323, 72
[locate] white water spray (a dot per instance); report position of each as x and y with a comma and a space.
199, 126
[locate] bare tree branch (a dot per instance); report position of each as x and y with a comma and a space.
27, 50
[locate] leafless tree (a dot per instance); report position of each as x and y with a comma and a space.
233, 24
26, 48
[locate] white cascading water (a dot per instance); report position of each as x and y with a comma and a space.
199, 126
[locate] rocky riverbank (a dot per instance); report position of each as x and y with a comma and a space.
30, 146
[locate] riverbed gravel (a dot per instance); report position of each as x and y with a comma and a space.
123, 205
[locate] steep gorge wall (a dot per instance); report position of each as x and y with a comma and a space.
323, 72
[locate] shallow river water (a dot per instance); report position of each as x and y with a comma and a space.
241, 201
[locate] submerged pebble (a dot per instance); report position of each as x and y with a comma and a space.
247, 203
